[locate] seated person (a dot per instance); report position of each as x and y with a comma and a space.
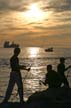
52, 78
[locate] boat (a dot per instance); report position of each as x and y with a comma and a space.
49, 50
7, 44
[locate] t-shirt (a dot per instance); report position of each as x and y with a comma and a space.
61, 68
53, 80
14, 63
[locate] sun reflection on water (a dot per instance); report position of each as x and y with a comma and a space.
33, 52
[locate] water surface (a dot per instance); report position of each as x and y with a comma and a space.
37, 59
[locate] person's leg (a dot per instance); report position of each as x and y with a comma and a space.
20, 86
65, 81
9, 88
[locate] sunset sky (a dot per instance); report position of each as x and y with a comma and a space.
36, 22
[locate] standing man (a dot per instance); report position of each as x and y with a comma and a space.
15, 76
61, 69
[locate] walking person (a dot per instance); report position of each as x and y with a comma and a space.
61, 70
15, 76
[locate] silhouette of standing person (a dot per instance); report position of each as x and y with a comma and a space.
61, 69
15, 76
51, 78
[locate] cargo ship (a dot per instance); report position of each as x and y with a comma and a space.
7, 44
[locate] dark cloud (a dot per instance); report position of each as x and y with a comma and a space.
3, 5
21, 5
58, 5
17, 5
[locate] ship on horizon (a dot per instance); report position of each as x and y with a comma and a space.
49, 49
7, 44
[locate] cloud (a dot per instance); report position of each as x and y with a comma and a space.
21, 5
55, 28
58, 5
16, 5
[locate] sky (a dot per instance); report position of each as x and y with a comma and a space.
36, 22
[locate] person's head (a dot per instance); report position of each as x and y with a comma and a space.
17, 51
49, 68
62, 60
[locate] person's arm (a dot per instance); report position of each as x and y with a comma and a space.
44, 82
24, 67
67, 68
41, 82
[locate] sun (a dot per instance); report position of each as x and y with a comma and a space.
34, 13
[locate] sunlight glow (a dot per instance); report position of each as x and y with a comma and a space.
34, 13
33, 52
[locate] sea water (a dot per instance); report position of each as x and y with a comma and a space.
37, 59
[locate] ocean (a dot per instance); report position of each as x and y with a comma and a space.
37, 59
